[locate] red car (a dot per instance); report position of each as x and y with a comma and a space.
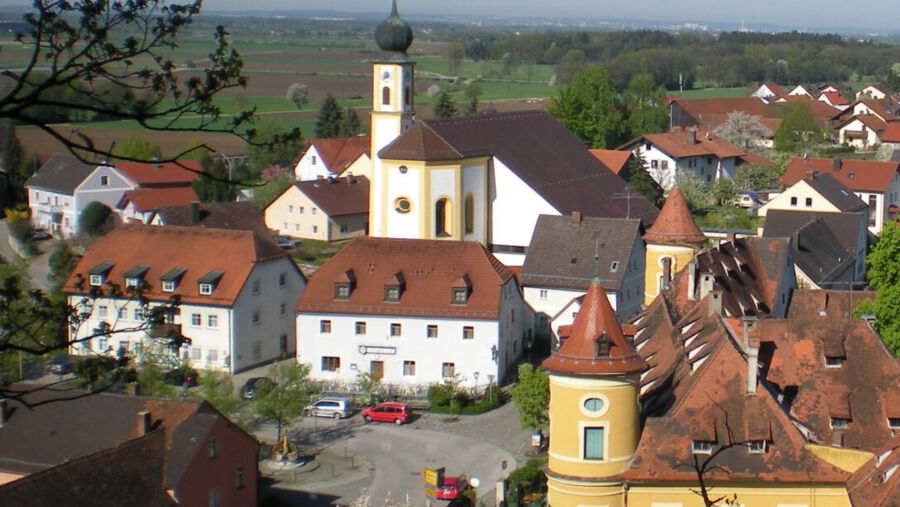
450, 488
391, 411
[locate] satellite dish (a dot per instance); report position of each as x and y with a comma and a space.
474, 482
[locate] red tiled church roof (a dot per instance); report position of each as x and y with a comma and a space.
674, 223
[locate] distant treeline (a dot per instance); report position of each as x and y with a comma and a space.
727, 59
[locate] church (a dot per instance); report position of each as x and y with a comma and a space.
483, 178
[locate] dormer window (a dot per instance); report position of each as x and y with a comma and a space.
702, 446
757, 446
833, 361
394, 288
135, 276
344, 285
460, 290
207, 284
171, 279
894, 423
840, 423
601, 345
97, 276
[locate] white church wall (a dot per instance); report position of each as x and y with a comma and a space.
403, 225
516, 208
473, 182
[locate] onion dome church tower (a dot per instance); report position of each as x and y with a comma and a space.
594, 413
392, 101
672, 242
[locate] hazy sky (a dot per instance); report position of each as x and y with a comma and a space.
874, 14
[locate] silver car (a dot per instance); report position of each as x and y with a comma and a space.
337, 408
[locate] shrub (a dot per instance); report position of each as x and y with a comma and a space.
94, 217
439, 395
527, 481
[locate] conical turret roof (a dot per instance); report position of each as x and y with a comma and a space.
394, 34
675, 224
596, 346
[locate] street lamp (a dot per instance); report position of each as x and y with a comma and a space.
475, 389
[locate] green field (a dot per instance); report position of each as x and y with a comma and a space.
714, 93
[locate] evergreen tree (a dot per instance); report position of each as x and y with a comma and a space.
213, 184
640, 180
444, 107
328, 123
350, 125
17, 169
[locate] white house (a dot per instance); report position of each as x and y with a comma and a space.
861, 131
139, 206
64, 186
326, 209
236, 291
560, 264
801, 90
768, 90
323, 158
411, 313
873, 91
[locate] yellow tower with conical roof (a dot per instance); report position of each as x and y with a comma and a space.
672, 242
594, 413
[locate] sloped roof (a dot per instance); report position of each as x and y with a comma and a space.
164, 248
757, 159
614, 160
891, 133
61, 174
836, 99
857, 175
877, 482
594, 324
869, 120
675, 223
340, 153
338, 196
561, 253
716, 407
819, 253
241, 216
712, 112
775, 88
538, 149
160, 174
149, 199
684, 144
428, 269
844, 226
130, 473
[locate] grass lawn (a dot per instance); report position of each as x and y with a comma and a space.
315, 252
714, 93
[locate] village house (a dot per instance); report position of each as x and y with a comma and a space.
768, 91
874, 91
862, 131
324, 158
834, 99
328, 209
68, 448
138, 206
239, 216
815, 192
233, 306
877, 184
413, 312
64, 186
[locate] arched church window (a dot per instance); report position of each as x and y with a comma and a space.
386, 96
442, 224
470, 214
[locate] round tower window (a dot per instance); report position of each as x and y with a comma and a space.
403, 169
593, 404
402, 205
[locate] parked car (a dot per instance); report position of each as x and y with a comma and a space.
285, 242
39, 233
187, 377
450, 488
391, 411
254, 386
337, 408
61, 364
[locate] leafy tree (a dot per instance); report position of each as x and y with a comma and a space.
883, 273
695, 192
115, 61
350, 125
532, 396
744, 131
267, 193
298, 94
756, 177
328, 123
213, 183
16, 170
571, 63
269, 151
61, 263
645, 100
798, 131
150, 379
286, 400
473, 92
589, 110
135, 148
93, 218
445, 107
724, 192
371, 386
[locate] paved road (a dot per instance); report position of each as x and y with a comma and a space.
38, 266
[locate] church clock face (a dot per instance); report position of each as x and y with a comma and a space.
386, 76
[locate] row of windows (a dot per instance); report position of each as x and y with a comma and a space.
333, 364
300, 209
312, 228
808, 201
708, 446
396, 329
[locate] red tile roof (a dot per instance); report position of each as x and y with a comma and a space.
338, 154
683, 144
877, 482
149, 199
594, 324
674, 223
775, 88
835, 98
712, 112
428, 269
615, 160
160, 174
891, 133
871, 121
165, 248
857, 175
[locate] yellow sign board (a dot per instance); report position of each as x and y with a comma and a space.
434, 478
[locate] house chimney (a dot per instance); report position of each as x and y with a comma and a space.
837, 165
692, 280
693, 137
667, 272
575, 218
714, 305
706, 284
749, 325
752, 364
143, 422
4, 411
194, 210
